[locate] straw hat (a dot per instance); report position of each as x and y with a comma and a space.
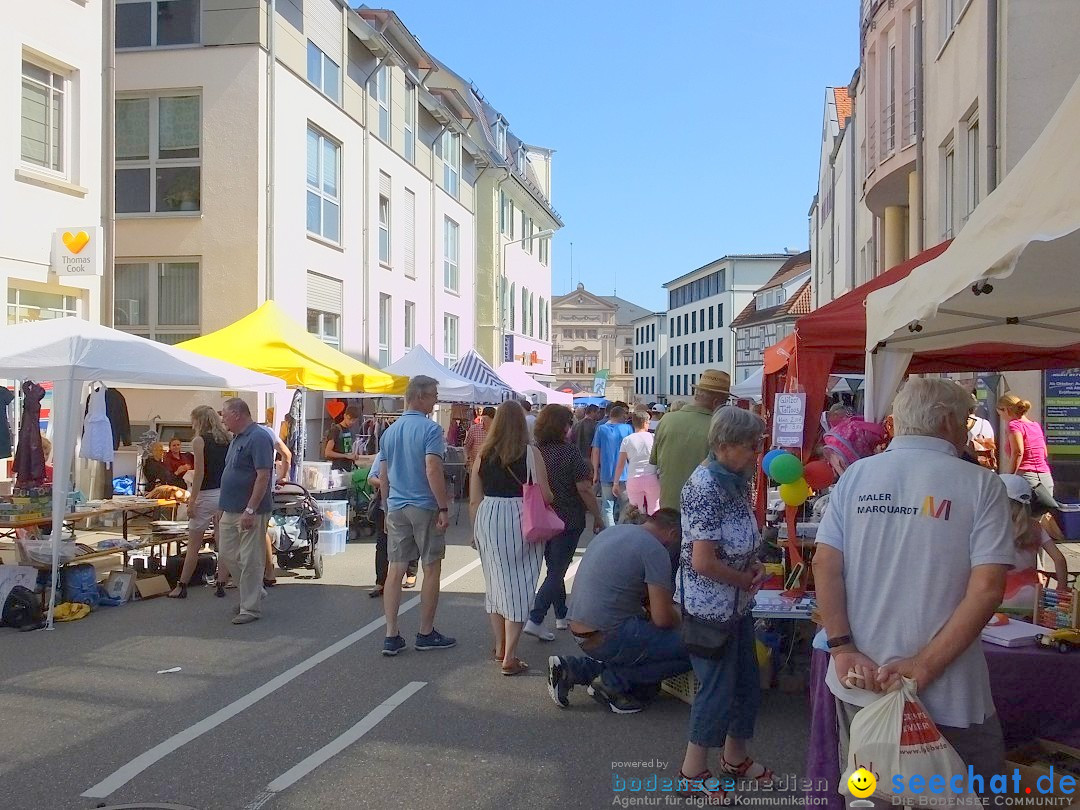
716, 382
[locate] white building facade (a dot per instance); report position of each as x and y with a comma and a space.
701, 306
52, 69
650, 358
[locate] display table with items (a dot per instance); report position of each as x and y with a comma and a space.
1030, 693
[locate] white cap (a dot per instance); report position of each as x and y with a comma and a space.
1018, 488
659, 407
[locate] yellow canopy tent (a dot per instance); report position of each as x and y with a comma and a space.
271, 342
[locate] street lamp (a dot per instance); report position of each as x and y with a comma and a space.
503, 292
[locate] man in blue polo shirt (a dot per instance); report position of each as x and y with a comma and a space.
605, 455
416, 512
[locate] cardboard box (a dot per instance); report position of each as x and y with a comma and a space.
1030, 760
149, 587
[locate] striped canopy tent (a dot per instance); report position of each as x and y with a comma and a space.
473, 367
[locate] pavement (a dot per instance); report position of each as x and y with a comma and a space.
300, 710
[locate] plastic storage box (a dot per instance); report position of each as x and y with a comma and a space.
1070, 518
335, 514
315, 475
332, 541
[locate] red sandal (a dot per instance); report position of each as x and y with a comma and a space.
742, 771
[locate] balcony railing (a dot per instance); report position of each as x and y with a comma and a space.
872, 146
888, 131
908, 122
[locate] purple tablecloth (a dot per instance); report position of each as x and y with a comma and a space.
1035, 693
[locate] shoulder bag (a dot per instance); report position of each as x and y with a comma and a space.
702, 637
539, 523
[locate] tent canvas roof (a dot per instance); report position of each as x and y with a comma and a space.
453, 387
473, 367
521, 382
271, 342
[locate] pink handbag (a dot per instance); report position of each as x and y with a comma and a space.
539, 523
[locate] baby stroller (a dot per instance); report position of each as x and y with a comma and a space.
294, 529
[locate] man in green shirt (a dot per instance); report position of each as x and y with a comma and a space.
682, 437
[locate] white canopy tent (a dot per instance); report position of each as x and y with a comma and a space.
750, 388
70, 352
517, 378
453, 387
1005, 292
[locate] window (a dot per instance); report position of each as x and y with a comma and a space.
450, 339
701, 352
693, 352
719, 350
504, 213
510, 305
382, 98
157, 299
158, 154
949, 192
693, 322
579, 334
323, 199
408, 215
567, 364
671, 384
527, 232
524, 311
385, 325
510, 220
628, 365
948, 19
686, 323
451, 156
888, 116
384, 220
43, 111
410, 122
972, 165
500, 136
410, 324
710, 351
719, 314
543, 320
324, 296
568, 333
592, 334
156, 23
545, 251
521, 161
323, 72
326, 326
30, 305
710, 317
590, 364
451, 234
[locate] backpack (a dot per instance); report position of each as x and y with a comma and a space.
22, 609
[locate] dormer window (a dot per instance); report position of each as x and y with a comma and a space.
500, 136
521, 160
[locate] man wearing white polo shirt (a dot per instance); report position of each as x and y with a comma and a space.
910, 565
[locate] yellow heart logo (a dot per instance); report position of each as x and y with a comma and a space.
75, 242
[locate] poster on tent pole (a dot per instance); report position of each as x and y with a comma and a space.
1061, 420
789, 416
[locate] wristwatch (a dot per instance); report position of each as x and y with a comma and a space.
838, 641
444, 509
249, 511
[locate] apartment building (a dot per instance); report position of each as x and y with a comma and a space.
53, 185
701, 305
833, 245
650, 358
770, 316
595, 333
340, 183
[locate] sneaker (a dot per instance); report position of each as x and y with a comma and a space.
393, 645
559, 685
538, 630
562, 624
433, 641
619, 704
244, 618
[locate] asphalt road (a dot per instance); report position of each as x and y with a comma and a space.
300, 710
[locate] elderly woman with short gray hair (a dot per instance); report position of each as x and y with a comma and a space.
719, 572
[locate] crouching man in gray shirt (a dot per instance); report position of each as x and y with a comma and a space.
630, 652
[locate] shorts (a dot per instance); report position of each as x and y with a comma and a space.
411, 534
203, 511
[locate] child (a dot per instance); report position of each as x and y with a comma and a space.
1021, 581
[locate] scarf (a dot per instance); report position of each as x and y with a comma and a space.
732, 484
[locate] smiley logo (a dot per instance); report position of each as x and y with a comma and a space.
861, 783
75, 241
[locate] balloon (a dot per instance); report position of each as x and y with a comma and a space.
795, 493
785, 469
768, 459
819, 474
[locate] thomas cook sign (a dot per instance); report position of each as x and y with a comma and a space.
78, 251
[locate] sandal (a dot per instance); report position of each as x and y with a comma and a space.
517, 667
704, 787
269, 583
743, 771
496, 657
376, 591
178, 594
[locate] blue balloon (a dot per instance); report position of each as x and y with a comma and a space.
768, 459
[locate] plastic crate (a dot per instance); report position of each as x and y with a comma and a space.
335, 514
684, 686
332, 541
1070, 518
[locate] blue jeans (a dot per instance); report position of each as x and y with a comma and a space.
636, 653
610, 506
558, 553
729, 691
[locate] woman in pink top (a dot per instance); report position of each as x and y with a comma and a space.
1026, 446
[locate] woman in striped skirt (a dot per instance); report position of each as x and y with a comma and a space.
511, 566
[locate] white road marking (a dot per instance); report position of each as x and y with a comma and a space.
335, 747
126, 773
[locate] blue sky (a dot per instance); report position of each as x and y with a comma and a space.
683, 130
